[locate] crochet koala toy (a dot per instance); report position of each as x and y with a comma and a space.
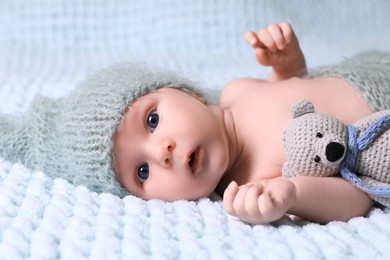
320, 145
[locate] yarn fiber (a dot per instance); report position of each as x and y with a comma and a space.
362, 154
71, 137
368, 72
358, 142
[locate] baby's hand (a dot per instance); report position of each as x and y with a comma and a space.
277, 46
270, 43
260, 203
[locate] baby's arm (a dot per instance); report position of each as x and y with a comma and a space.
277, 46
325, 199
318, 199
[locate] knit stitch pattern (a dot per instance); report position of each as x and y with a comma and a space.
71, 137
368, 72
320, 145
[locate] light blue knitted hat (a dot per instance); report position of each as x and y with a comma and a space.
71, 137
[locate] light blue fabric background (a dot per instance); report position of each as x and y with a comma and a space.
182, 25
47, 45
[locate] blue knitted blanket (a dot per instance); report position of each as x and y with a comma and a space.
47, 46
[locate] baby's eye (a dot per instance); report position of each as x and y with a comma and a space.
143, 173
152, 121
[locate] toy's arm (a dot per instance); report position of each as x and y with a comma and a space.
317, 199
277, 46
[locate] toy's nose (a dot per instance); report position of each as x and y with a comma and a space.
334, 151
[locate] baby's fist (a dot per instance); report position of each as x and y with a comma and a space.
259, 203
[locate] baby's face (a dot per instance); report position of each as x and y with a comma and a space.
170, 146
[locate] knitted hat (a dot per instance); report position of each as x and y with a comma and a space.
71, 137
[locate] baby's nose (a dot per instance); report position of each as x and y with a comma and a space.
166, 152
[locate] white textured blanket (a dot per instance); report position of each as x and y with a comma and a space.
46, 46
43, 218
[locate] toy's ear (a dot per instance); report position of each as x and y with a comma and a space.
302, 107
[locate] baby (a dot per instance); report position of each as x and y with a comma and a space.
130, 129
176, 146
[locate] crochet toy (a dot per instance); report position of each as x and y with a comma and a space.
71, 137
320, 145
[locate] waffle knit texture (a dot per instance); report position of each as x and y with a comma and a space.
71, 137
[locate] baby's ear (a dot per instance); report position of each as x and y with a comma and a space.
201, 99
301, 108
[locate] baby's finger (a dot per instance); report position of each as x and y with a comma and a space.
239, 201
277, 36
228, 198
266, 39
251, 201
268, 208
286, 31
262, 56
252, 40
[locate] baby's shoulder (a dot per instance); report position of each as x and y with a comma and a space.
236, 88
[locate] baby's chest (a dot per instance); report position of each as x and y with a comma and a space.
261, 133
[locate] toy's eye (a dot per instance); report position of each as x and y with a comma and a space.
152, 121
319, 135
143, 173
317, 159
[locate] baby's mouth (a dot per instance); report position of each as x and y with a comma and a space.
193, 160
